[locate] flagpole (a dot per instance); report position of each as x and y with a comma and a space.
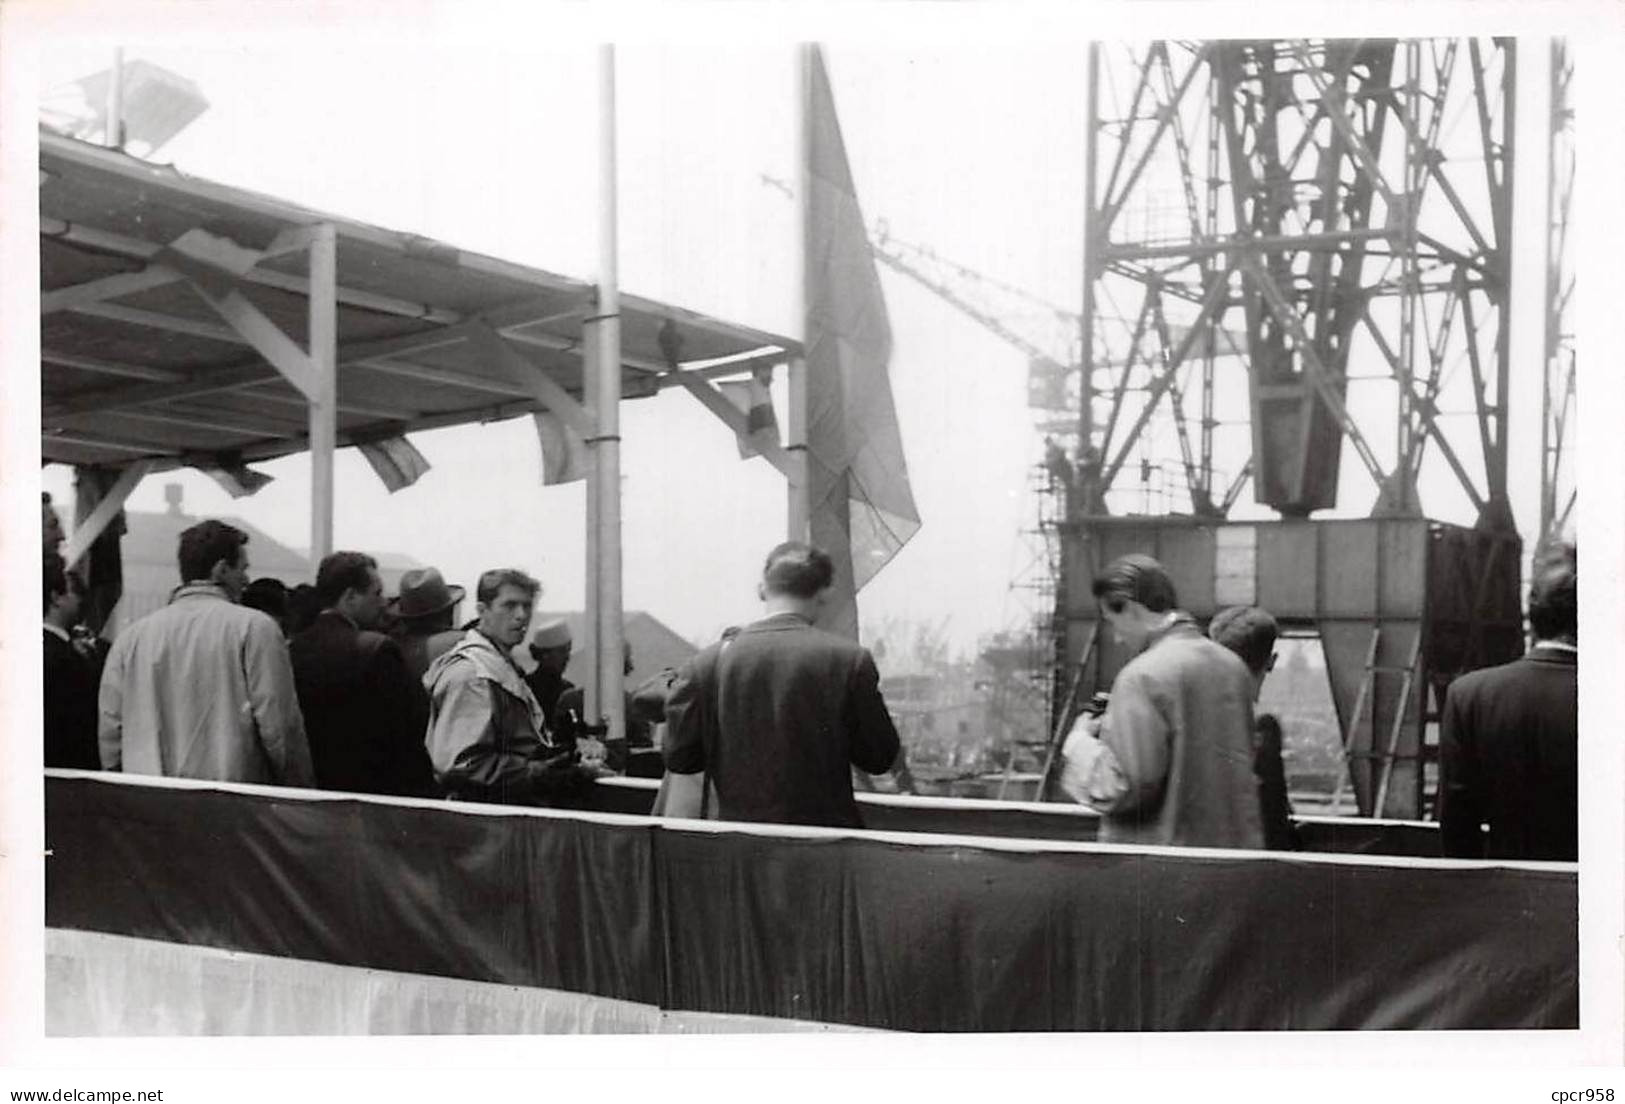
610, 658
800, 510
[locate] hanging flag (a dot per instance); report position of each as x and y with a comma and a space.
753, 400
862, 509
238, 479
564, 452
396, 460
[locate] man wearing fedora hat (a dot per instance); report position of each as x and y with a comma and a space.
425, 610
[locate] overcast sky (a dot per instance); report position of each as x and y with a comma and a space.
974, 150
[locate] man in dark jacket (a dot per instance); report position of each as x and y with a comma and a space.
72, 675
1250, 632
364, 717
778, 713
1510, 737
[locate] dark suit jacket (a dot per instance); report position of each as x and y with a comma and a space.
1508, 758
1280, 831
777, 716
364, 716
71, 682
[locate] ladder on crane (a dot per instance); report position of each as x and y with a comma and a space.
1386, 759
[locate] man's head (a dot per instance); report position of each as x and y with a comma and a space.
269, 596
348, 582
1249, 632
214, 552
426, 602
1136, 598
64, 592
796, 578
550, 645
1553, 613
503, 600
50, 523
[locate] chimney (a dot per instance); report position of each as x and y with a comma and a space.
172, 498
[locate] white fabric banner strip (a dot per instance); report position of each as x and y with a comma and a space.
100, 984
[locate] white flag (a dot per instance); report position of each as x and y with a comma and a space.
564, 452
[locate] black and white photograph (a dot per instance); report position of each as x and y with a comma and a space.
965, 535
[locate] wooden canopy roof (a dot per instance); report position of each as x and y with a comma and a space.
138, 364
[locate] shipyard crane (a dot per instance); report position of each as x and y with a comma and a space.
1350, 204
1055, 370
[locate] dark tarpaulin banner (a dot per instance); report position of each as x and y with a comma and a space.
1051, 820
877, 931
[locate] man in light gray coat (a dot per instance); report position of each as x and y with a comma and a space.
1171, 761
203, 687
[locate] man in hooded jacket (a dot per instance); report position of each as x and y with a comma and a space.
487, 735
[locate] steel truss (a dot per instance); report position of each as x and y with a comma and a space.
1345, 205
1557, 481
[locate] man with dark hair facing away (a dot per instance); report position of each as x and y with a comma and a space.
364, 715
1509, 742
778, 713
270, 597
202, 688
487, 733
1171, 761
1250, 632
70, 675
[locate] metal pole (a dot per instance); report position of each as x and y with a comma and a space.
324, 357
799, 521
610, 674
115, 101
1091, 260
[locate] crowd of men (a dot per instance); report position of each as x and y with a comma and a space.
344, 689
229, 681
1178, 756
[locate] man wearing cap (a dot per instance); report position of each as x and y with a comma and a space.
425, 611
550, 647
486, 732
364, 714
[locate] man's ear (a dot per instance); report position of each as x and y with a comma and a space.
761, 592
220, 568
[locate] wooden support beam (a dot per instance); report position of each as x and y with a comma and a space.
86, 532
267, 338
732, 417
201, 420
112, 368
167, 322
90, 441
534, 379
566, 345
428, 373
106, 287
359, 410
286, 242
